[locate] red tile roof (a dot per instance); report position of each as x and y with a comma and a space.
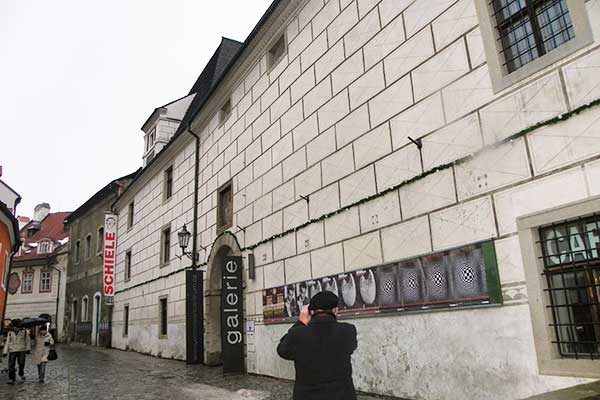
52, 227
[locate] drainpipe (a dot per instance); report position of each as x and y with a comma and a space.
196, 182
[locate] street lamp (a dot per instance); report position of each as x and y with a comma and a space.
183, 236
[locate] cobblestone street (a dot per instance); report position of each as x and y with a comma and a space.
83, 372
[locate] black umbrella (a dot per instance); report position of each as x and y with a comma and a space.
29, 322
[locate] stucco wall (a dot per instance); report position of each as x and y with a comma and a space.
331, 122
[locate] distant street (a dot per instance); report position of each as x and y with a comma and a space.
90, 373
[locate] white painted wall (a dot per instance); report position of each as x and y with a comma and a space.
331, 121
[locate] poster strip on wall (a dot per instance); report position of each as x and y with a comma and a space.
451, 278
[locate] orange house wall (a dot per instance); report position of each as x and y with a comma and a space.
5, 252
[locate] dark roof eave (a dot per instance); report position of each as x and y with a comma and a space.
183, 127
97, 197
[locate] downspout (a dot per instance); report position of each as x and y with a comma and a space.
196, 181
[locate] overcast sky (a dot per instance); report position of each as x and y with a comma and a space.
78, 78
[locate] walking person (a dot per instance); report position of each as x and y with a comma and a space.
18, 343
321, 348
41, 349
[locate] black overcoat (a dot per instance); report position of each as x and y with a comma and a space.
321, 353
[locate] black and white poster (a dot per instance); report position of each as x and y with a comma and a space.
444, 279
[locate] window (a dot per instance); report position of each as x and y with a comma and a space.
561, 256
572, 270
130, 215
162, 310
165, 246
44, 247
126, 320
27, 286
46, 281
100, 241
528, 29
276, 52
77, 251
84, 309
168, 183
128, 265
522, 37
74, 311
225, 207
88, 246
150, 139
225, 112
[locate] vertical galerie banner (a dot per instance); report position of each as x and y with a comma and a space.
232, 316
195, 317
110, 255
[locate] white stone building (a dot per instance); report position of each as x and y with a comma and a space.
351, 134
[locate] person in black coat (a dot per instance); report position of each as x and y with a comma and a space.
321, 347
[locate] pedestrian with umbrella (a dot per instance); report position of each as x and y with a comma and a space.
41, 348
18, 343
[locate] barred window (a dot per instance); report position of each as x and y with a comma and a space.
571, 256
528, 29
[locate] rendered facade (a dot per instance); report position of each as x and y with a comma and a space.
371, 151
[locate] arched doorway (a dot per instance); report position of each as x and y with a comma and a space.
225, 246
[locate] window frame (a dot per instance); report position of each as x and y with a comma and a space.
85, 303
227, 224
168, 182
499, 75
126, 320
127, 269
44, 242
164, 249
225, 112
273, 60
77, 253
88, 246
550, 361
100, 241
41, 287
130, 214
27, 273
163, 319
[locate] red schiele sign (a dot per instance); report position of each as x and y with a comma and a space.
110, 242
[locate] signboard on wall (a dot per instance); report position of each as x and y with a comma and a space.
110, 256
232, 316
195, 316
451, 278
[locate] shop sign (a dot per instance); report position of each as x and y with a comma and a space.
232, 317
110, 242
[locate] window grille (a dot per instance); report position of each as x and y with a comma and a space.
528, 29
163, 316
571, 256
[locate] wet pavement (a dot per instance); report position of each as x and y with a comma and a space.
83, 372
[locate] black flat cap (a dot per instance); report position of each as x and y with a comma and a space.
325, 300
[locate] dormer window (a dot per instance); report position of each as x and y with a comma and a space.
151, 139
44, 247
